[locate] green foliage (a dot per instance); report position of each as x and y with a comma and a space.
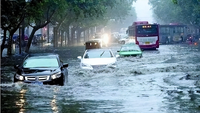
177, 11
82, 13
175, 1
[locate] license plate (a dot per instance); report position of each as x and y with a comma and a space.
147, 42
37, 83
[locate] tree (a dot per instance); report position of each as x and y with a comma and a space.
40, 14
11, 19
177, 11
80, 10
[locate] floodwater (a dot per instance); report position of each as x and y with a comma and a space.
166, 80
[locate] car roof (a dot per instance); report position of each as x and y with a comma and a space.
92, 41
130, 44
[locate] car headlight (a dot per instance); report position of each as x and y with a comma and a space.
56, 75
19, 77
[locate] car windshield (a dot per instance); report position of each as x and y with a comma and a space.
98, 54
36, 62
130, 48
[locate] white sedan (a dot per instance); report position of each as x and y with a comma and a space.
96, 58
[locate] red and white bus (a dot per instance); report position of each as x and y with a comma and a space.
145, 35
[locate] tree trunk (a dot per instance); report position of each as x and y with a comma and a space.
62, 37
65, 38
68, 36
88, 34
3, 42
84, 36
72, 36
30, 39
10, 42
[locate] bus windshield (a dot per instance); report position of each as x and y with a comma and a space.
147, 29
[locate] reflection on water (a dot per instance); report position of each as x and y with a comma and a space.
53, 104
21, 102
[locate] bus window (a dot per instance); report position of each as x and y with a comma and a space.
182, 30
167, 30
163, 30
147, 30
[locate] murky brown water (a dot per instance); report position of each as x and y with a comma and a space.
163, 81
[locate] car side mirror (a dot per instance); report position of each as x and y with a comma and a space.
65, 65
117, 56
16, 66
79, 57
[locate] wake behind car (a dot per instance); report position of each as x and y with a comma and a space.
97, 58
130, 49
42, 69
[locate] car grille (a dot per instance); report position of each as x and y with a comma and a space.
130, 55
37, 78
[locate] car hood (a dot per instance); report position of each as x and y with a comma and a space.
39, 71
99, 61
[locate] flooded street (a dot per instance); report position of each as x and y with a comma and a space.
166, 80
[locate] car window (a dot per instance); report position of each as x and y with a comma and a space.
127, 48
41, 62
98, 54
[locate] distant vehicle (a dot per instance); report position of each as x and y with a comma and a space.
193, 40
42, 69
39, 38
97, 58
114, 37
23, 41
145, 35
172, 33
104, 38
130, 49
123, 38
15, 38
93, 44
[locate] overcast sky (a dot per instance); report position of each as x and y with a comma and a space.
143, 10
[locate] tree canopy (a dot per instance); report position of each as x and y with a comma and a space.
39, 13
177, 11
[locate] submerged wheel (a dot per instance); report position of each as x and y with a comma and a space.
61, 81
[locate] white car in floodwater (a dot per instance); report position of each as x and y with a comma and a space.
97, 58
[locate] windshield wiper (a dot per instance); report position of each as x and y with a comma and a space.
102, 53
